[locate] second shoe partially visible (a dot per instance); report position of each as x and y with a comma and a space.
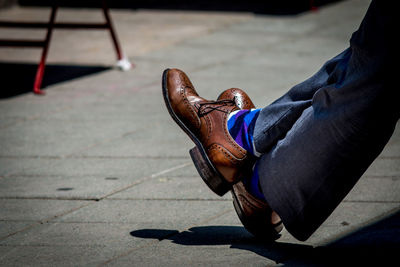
220, 161
255, 214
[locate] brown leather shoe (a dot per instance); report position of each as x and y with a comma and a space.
255, 214
242, 100
220, 161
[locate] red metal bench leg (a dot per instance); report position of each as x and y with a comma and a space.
42, 64
313, 6
123, 62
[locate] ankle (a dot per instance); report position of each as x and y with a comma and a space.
241, 125
252, 184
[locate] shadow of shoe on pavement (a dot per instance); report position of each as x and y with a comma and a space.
374, 245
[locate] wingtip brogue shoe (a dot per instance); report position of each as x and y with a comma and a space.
220, 161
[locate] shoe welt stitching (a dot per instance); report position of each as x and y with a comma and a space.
226, 153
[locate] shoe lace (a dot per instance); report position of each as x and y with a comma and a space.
205, 108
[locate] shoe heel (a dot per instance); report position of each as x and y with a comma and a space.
208, 173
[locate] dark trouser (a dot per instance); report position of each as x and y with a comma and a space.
320, 137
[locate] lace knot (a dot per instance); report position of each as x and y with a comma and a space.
205, 108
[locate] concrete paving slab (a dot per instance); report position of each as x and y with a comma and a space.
114, 85
200, 57
36, 209
384, 167
22, 109
76, 135
111, 112
10, 227
57, 255
106, 235
164, 187
187, 171
175, 213
47, 184
5, 250
181, 252
348, 217
93, 231
19, 215
309, 46
392, 149
6, 121
284, 26
162, 138
232, 37
101, 167
61, 187
376, 189
10, 164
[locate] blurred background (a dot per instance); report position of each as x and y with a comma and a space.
67, 59
262, 7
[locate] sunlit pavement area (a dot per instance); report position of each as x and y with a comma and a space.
95, 172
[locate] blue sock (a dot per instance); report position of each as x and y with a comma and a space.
252, 184
241, 127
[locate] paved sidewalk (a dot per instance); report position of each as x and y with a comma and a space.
97, 173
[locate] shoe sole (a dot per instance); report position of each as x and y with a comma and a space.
210, 175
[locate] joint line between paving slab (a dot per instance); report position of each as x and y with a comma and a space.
49, 198
90, 157
146, 178
141, 199
70, 155
173, 199
75, 153
46, 220
51, 218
